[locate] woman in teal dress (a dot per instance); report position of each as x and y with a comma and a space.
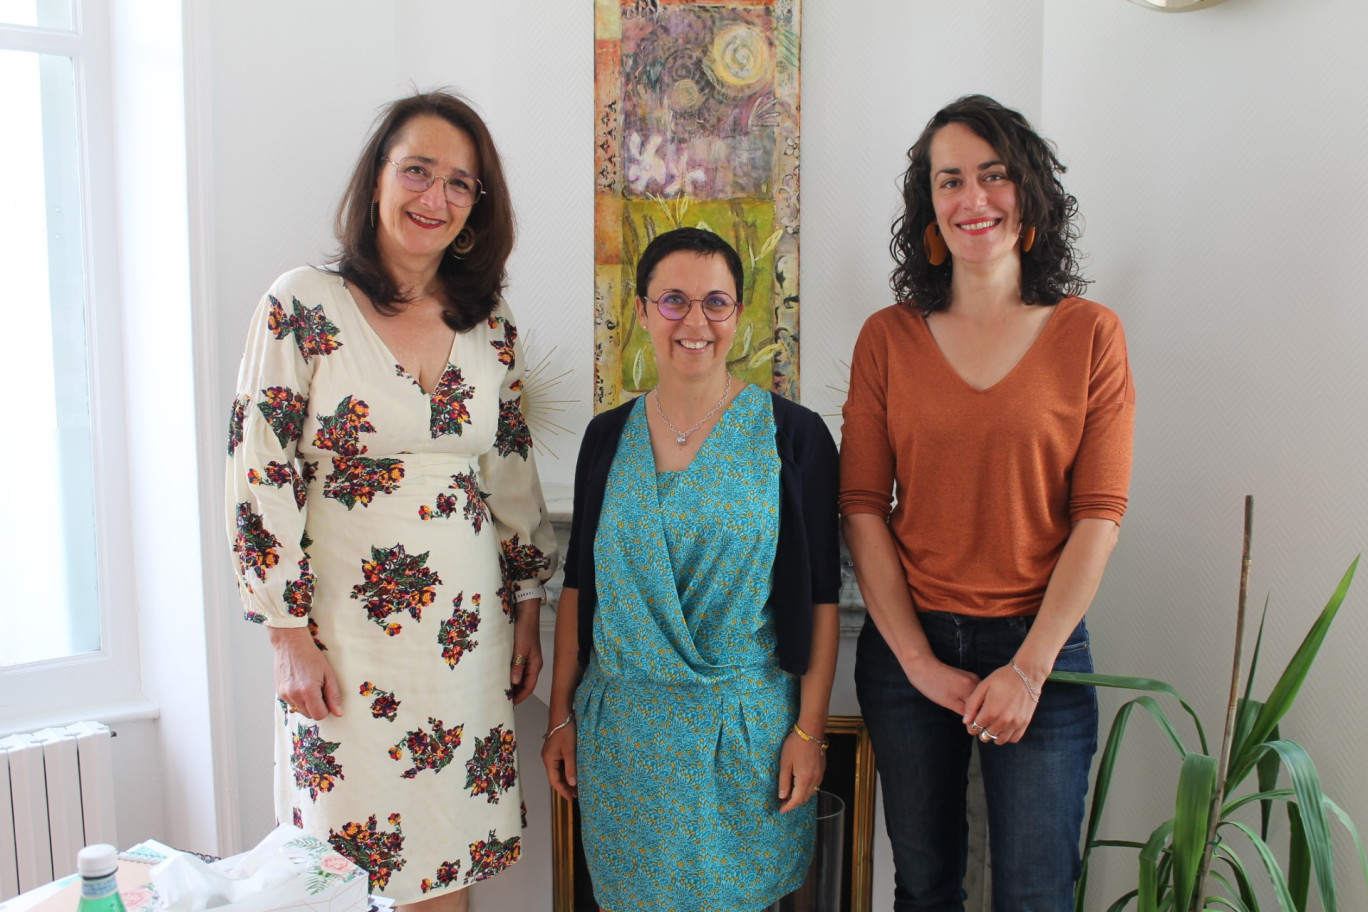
696, 633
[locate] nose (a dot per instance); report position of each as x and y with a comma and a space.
434, 196
695, 317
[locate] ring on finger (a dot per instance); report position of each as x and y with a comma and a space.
985, 736
975, 728
519, 659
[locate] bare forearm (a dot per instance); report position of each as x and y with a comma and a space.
815, 690
283, 637
884, 588
1070, 592
889, 603
527, 616
558, 747
566, 672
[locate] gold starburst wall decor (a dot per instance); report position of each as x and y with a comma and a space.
541, 409
843, 390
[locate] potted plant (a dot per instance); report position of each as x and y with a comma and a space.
1192, 861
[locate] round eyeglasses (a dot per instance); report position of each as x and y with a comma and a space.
414, 174
675, 305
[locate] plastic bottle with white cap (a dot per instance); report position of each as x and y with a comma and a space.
99, 867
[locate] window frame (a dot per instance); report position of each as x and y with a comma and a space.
103, 684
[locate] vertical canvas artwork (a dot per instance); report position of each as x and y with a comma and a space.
696, 107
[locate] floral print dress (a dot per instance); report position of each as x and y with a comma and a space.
396, 526
683, 710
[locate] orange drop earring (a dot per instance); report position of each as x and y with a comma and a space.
936, 251
1028, 239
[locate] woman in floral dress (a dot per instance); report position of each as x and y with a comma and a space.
700, 590
386, 517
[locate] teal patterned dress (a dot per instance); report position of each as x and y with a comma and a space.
683, 710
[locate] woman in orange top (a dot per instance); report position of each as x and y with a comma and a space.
984, 469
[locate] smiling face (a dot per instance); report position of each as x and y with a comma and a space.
416, 226
694, 346
975, 199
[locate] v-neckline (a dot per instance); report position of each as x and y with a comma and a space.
949, 365
646, 429
384, 347
404, 372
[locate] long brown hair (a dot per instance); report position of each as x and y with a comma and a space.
470, 285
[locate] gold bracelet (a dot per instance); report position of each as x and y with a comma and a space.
820, 742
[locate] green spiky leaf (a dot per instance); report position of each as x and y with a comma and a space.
1191, 817
1284, 693
1270, 863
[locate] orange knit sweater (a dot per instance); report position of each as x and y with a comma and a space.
988, 483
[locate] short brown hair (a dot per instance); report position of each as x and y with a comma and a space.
698, 241
470, 285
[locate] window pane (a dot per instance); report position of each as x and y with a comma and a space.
49, 606
53, 14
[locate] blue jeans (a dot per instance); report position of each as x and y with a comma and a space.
1035, 789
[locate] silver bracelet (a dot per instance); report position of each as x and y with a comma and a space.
1035, 694
568, 719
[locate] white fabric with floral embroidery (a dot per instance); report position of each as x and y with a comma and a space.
396, 525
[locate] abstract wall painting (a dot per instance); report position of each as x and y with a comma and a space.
697, 116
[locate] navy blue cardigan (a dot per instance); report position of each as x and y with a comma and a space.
807, 560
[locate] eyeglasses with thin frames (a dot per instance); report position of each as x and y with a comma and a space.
461, 190
675, 305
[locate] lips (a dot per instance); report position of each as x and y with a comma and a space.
980, 225
424, 222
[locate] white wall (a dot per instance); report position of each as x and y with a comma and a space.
873, 74
1214, 156
1217, 158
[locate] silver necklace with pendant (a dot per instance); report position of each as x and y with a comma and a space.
681, 437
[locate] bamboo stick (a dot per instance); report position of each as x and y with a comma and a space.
1218, 795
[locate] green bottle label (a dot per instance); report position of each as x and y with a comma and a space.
99, 887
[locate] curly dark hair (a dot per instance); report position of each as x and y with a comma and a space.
470, 285
1050, 270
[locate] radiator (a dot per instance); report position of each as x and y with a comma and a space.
56, 795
